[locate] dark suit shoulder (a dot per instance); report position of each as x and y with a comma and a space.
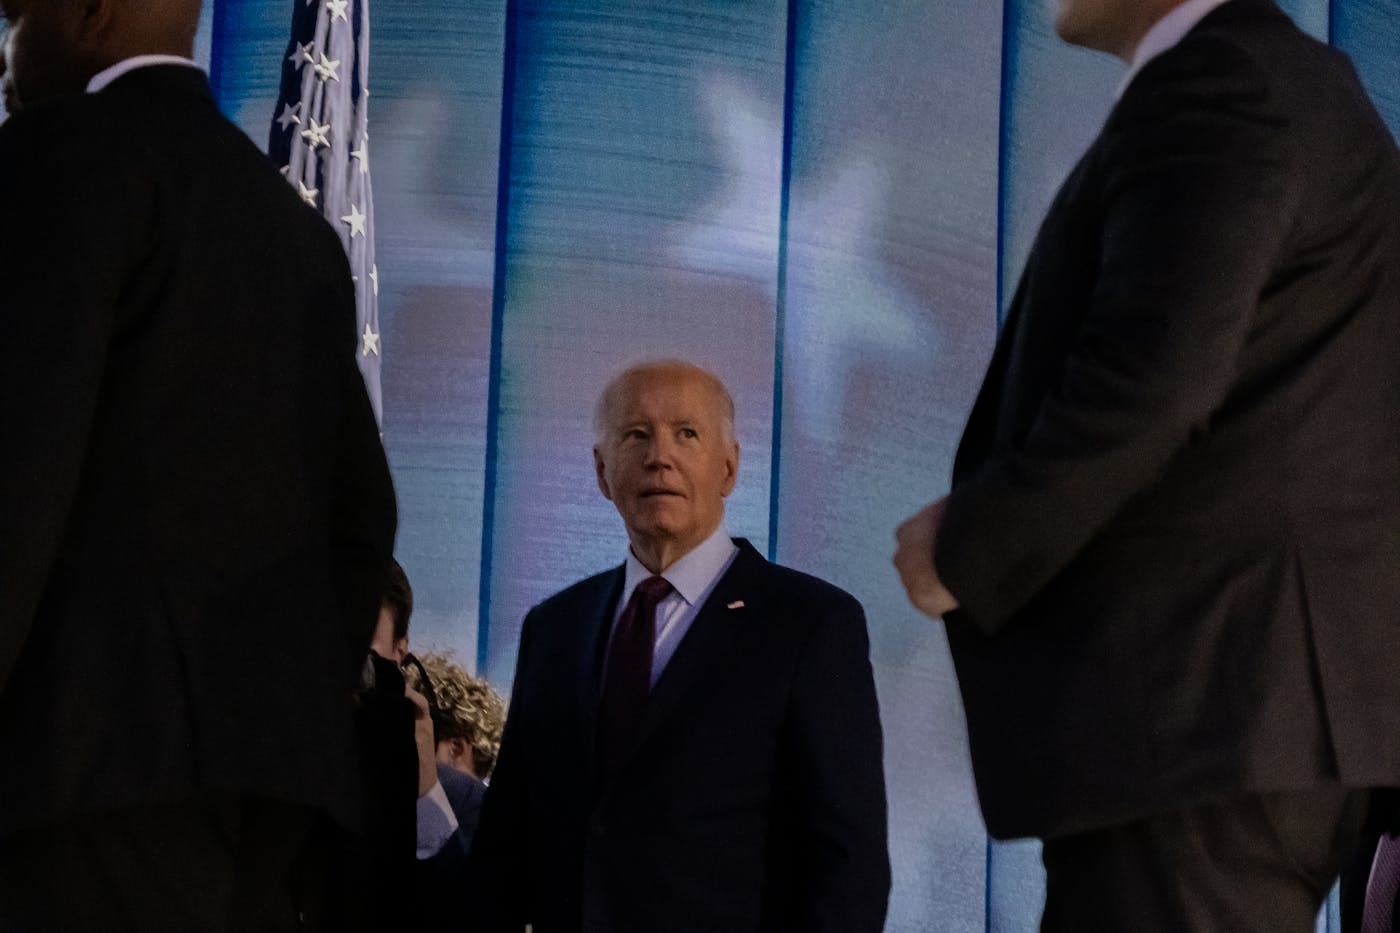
1210, 70
464, 793
1244, 58
100, 127
785, 594
810, 592
62, 138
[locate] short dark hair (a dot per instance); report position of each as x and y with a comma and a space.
398, 599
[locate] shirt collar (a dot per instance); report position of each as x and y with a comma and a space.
1165, 33
107, 75
692, 575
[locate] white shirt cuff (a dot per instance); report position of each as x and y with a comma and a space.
436, 821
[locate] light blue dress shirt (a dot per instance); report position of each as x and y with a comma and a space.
692, 578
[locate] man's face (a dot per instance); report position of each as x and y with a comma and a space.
665, 461
41, 51
383, 642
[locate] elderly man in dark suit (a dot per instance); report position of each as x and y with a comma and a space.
1170, 561
693, 742
197, 514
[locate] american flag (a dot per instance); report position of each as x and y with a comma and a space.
320, 141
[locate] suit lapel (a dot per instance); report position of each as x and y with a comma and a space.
714, 635
595, 624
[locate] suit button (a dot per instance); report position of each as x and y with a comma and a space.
599, 829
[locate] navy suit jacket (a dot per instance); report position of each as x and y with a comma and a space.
466, 794
439, 881
1174, 527
750, 798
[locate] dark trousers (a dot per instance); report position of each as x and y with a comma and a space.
217, 865
1256, 862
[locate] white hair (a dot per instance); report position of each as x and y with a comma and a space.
602, 411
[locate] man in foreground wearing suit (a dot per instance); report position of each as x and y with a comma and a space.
1170, 561
693, 741
197, 511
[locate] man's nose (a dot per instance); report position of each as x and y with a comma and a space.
659, 450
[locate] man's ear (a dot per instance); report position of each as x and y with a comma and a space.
462, 754
601, 469
731, 466
90, 23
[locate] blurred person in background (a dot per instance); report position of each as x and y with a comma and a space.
468, 716
1169, 564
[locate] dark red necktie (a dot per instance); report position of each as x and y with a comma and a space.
628, 679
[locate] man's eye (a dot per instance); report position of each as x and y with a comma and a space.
689, 433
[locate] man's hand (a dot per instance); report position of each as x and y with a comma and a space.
423, 736
913, 558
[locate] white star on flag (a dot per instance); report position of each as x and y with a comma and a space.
369, 342
356, 220
289, 115
318, 135
319, 132
301, 55
325, 68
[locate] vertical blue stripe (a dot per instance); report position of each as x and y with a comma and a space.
219, 34
1008, 23
1331, 22
780, 309
498, 302
987, 888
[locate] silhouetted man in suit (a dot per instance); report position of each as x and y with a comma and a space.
197, 511
1170, 560
693, 742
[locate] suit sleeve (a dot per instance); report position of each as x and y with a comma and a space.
363, 512
64, 240
439, 878
1201, 191
496, 866
837, 781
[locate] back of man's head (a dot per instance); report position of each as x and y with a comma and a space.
54, 47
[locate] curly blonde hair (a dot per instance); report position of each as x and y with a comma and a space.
466, 708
